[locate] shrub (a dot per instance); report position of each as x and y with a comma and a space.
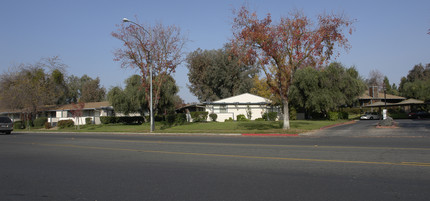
180, 119
271, 116
18, 125
259, 119
213, 116
199, 116
229, 119
241, 117
293, 114
40, 122
66, 123
159, 118
343, 115
124, 120
170, 119
333, 116
130, 120
88, 121
109, 120
47, 125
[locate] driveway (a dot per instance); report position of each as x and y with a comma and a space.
367, 128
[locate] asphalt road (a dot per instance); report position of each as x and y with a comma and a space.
143, 167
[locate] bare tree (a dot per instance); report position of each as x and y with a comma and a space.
376, 78
29, 88
144, 47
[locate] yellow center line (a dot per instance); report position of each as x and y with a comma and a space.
416, 164
265, 145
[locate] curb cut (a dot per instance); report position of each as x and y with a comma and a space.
339, 124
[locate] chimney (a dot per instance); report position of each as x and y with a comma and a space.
373, 92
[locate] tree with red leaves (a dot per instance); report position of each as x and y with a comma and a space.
158, 47
280, 49
77, 111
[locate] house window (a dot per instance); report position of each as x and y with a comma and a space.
88, 113
223, 109
53, 114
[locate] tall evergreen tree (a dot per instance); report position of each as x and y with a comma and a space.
217, 74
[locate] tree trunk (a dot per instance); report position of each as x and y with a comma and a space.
286, 125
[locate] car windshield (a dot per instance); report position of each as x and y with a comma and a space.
5, 120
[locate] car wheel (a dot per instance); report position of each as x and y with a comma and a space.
8, 132
371, 118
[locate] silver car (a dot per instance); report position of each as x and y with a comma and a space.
370, 115
6, 125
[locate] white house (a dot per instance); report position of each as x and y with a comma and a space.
245, 104
93, 110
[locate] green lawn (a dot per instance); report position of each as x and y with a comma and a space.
297, 126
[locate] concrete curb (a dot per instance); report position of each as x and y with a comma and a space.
199, 134
126, 133
269, 134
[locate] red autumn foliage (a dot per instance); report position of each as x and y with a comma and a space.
292, 43
78, 109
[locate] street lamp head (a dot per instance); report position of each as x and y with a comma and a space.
125, 20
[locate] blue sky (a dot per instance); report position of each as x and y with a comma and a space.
390, 36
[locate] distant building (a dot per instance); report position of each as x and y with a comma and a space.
373, 95
93, 110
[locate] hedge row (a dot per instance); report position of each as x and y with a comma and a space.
124, 120
40, 122
333, 116
199, 116
65, 123
18, 125
271, 116
37, 123
176, 119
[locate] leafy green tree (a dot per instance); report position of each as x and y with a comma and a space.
390, 89
92, 91
168, 96
419, 89
217, 74
324, 90
417, 83
132, 99
84, 89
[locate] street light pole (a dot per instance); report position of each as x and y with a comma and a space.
151, 114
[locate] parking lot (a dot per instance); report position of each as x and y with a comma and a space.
368, 128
